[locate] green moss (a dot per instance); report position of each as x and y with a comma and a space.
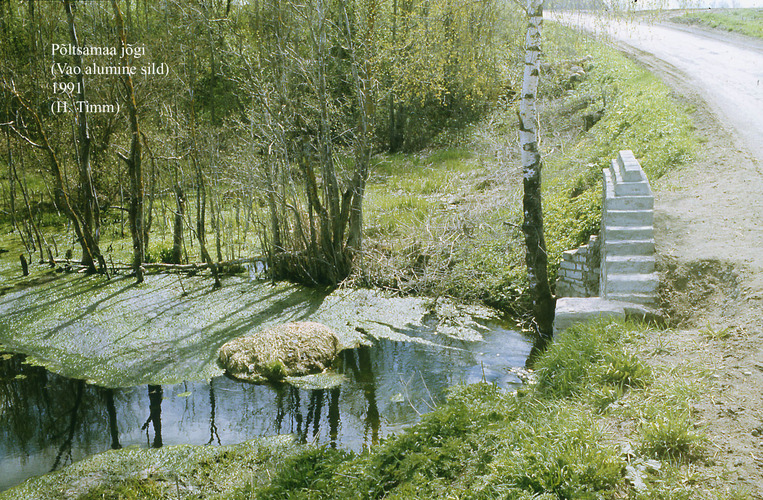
274, 371
118, 334
182, 471
127, 490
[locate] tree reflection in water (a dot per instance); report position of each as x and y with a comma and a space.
154, 414
358, 361
65, 450
111, 410
213, 435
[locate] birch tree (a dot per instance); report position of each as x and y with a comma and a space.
543, 304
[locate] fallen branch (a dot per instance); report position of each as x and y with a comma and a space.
195, 266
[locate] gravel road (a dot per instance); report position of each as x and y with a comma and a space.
726, 71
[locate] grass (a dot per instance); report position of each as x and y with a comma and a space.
180, 471
671, 436
747, 22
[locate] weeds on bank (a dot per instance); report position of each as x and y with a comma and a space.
131, 489
745, 21
670, 435
548, 440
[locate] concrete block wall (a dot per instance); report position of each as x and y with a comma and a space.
578, 274
627, 234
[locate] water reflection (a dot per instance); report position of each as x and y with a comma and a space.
50, 421
154, 414
111, 411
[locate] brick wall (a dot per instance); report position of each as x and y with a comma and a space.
578, 274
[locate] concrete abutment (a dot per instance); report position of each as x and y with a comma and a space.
614, 274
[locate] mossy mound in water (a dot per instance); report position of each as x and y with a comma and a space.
288, 350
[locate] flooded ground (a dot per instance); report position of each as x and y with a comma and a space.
112, 365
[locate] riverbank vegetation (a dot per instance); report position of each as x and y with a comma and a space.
441, 203
747, 22
257, 122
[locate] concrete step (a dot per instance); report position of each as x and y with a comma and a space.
628, 166
630, 232
571, 310
630, 203
631, 182
628, 217
647, 299
631, 283
623, 188
637, 264
622, 248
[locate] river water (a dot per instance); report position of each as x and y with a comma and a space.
49, 421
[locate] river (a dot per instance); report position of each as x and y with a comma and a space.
113, 365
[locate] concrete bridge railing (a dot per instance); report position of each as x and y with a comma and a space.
614, 273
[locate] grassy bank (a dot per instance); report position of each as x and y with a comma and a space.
182, 471
447, 221
600, 422
747, 22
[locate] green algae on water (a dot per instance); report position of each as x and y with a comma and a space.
115, 333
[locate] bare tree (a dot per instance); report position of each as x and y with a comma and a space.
91, 217
133, 160
315, 206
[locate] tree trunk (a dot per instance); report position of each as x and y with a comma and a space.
362, 146
536, 259
32, 226
89, 203
201, 202
177, 235
133, 161
148, 216
11, 182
